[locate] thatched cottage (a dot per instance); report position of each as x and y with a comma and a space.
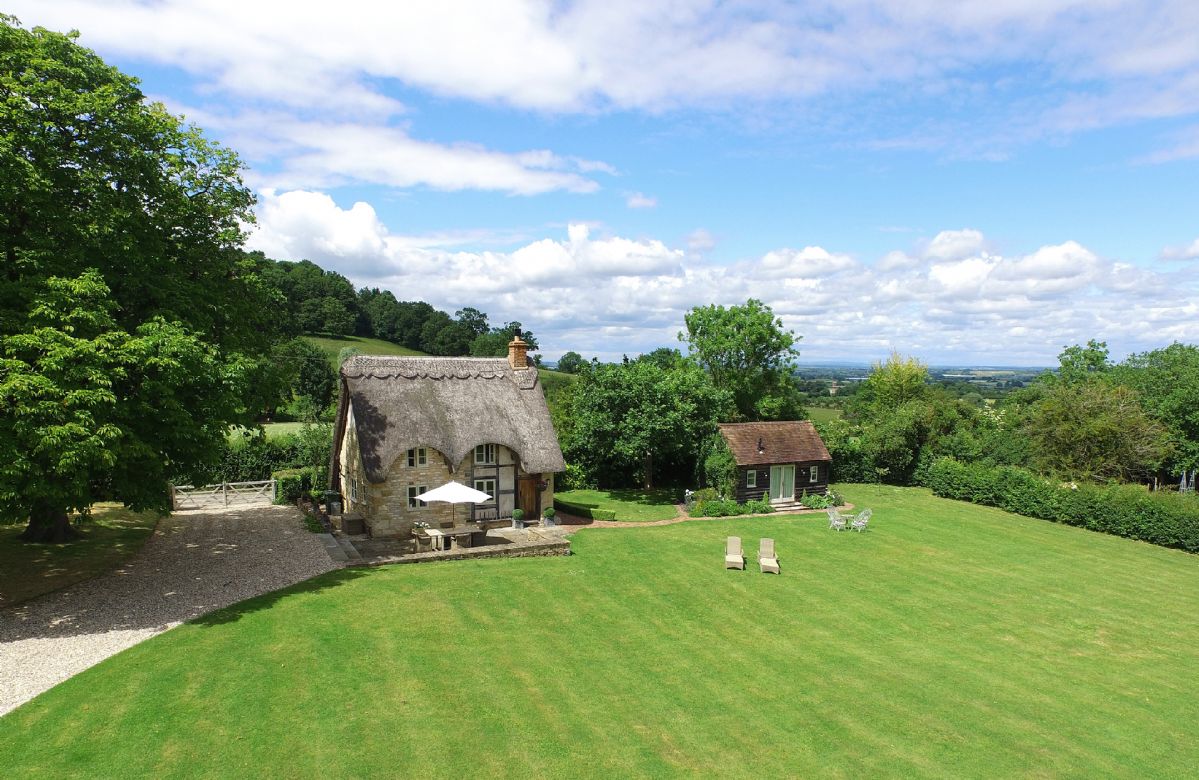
782, 461
406, 425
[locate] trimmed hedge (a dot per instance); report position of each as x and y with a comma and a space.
291, 484
578, 510
1163, 518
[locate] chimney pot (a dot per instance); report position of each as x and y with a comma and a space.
518, 350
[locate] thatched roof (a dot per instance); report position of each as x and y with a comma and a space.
793, 441
449, 404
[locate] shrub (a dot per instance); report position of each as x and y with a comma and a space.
719, 507
575, 478
548, 513
818, 501
292, 484
760, 506
1163, 518
705, 494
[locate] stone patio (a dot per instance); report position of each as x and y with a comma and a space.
500, 543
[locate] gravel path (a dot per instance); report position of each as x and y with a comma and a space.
195, 562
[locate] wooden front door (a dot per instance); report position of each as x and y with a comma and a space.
782, 483
528, 497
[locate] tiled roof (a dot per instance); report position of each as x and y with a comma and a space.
781, 442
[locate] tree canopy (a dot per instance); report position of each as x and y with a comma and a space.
748, 353
636, 419
134, 329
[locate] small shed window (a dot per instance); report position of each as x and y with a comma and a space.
487, 486
418, 457
485, 453
413, 492
813, 474
751, 478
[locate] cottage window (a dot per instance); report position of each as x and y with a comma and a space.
751, 478
413, 492
813, 474
418, 457
485, 454
353, 488
487, 486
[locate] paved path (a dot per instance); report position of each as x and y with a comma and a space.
195, 562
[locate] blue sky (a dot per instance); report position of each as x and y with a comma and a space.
962, 182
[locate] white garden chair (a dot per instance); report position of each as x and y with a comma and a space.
859, 522
835, 521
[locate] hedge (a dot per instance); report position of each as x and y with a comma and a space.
290, 484
1163, 518
579, 510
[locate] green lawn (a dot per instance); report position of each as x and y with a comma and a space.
632, 505
27, 570
333, 345
272, 430
951, 641
822, 414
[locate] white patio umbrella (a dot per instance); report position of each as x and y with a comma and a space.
455, 493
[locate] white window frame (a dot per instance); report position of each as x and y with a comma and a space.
418, 456
487, 486
488, 453
413, 501
813, 473
751, 478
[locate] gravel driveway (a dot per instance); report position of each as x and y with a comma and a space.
195, 562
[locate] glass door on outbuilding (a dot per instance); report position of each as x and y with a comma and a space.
782, 483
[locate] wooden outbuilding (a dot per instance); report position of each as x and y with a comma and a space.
782, 461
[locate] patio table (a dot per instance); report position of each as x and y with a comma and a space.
459, 536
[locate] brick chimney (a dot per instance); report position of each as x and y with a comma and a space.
518, 350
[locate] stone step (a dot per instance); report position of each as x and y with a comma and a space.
348, 548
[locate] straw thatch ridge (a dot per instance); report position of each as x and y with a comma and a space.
449, 404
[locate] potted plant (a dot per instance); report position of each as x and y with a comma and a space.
548, 514
518, 518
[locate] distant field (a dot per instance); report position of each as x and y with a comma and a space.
333, 347
820, 414
273, 430
551, 380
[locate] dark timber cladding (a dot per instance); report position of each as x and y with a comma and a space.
790, 453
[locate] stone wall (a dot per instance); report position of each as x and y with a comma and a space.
387, 512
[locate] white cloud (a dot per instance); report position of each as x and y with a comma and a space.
636, 200
1188, 252
954, 244
296, 154
608, 295
1115, 59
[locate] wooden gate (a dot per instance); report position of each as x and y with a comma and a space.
225, 494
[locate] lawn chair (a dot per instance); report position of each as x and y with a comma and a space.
733, 559
859, 522
835, 521
768, 562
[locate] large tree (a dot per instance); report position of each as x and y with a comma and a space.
631, 420
1167, 380
748, 353
92, 176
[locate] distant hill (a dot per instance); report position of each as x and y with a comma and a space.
333, 345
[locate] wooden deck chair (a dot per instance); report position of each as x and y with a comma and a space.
859, 522
835, 521
733, 559
768, 562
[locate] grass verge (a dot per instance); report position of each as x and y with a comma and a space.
29, 570
951, 640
